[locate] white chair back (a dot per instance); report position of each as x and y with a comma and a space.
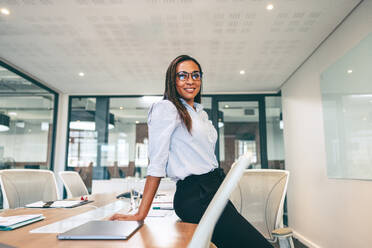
24, 186
73, 183
259, 198
203, 233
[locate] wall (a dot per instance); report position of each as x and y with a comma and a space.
323, 212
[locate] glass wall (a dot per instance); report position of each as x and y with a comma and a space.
121, 149
239, 132
274, 129
27, 112
108, 135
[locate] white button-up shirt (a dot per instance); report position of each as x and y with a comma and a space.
173, 151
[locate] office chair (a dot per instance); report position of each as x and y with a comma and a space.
73, 183
24, 186
259, 198
203, 233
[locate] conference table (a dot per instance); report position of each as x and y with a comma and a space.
166, 231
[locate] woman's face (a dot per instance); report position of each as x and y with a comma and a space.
188, 80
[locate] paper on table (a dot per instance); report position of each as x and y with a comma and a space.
153, 213
11, 220
56, 204
163, 198
64, 204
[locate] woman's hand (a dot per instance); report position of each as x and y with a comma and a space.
126, 217
151, 186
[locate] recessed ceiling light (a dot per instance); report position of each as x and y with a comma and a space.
12, 114
137, 122
349, 71
227, 106
121, 107
81, 74
270, 7
4, 11
242, 72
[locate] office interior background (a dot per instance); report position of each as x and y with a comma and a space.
78, 77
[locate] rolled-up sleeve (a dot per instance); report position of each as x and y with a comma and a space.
162, 120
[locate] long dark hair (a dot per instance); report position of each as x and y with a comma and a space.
171, 93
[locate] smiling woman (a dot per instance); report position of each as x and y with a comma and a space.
181, 146
188, 87
179, 85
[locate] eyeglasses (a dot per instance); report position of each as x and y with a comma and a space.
184, 76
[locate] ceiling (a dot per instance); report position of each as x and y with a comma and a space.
124, 47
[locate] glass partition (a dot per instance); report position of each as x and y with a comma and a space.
128, 141
26, 123
108, 135
274, 129
27, 114
238, 125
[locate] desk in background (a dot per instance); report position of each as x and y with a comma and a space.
120, 185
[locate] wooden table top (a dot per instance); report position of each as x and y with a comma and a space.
156, 232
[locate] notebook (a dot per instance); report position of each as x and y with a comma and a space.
12, 222
56, 204
98, 229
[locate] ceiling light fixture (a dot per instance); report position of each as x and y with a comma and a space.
242, 72
81, 74
270, 7
45, 126
227, 106
82, 119
137, 122
4, 11
349, 71
12, 113
4, 123
121, 107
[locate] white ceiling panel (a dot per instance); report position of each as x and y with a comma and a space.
125, 46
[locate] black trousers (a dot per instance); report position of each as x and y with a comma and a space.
232, 230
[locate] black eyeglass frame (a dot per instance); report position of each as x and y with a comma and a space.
188, 75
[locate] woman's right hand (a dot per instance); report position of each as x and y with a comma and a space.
151, 186
127, 217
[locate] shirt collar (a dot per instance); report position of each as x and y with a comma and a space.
198, 106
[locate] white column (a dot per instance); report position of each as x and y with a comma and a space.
61, 135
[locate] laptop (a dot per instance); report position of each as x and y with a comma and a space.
106, 230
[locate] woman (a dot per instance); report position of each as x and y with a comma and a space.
181, 146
